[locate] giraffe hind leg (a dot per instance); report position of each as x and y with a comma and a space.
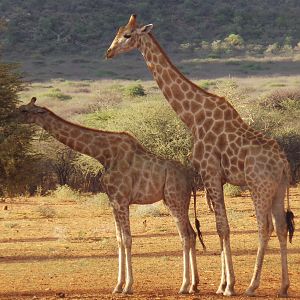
265, 231
265, 228
180, 215
279, 216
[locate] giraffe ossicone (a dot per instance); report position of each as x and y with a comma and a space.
132, 175
225, 149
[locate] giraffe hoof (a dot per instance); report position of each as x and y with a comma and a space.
250, 293
194, 290
229, 292
118, 289
221, 290
282, 295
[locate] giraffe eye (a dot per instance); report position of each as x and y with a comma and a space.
127, 36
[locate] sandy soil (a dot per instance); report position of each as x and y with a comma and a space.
73, 254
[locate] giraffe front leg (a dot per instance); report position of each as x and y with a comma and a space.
193, 261
230, 278
227, 282
121, 250
127, 242
223, 284
185, 239
184, 289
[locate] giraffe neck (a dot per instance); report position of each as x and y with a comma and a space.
190, 102
94, 143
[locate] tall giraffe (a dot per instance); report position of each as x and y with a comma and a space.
132, 175
225, 149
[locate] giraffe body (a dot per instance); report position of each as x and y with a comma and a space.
132, 175
225, 149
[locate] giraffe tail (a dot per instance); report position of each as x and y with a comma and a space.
289, 216
197, 222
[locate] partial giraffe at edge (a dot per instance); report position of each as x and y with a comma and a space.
133, 175
226, 149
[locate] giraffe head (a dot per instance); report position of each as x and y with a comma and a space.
127, 37
27, 113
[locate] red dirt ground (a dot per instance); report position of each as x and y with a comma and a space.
74, 253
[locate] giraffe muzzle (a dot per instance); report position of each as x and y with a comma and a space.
109, 54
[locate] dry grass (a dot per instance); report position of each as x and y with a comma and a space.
90, 95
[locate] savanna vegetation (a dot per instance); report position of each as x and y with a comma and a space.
61, 242
61, 42
117, 106
76, 26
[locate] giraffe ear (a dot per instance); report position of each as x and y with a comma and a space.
33, 100
145, 29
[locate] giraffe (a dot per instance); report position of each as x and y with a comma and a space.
132, 175
225, 149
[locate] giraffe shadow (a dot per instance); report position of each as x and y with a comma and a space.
175, 253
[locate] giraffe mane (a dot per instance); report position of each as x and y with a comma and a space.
175, 68
98, 130
183, 77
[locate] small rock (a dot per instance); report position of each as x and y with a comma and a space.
5, 207
61, 295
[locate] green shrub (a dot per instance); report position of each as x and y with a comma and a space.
206, 84
64, 192
153, 123
150, 210
56, 93
232, 190
282, 99
46, 211
135, 90
98, 200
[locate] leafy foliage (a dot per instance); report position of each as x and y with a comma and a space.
16, 163
46, 211
64, 192
281, 99
151, 121
74, 25
57, 94
232, 190
135, 90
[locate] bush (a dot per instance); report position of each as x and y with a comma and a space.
234, 40
151, 210
289, 140
98, 200
232, 190
16, 159
56, 93
46, 211
64, 192
273, 49
153, 123
135, 90
282, 99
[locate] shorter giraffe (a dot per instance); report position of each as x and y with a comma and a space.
132, 175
